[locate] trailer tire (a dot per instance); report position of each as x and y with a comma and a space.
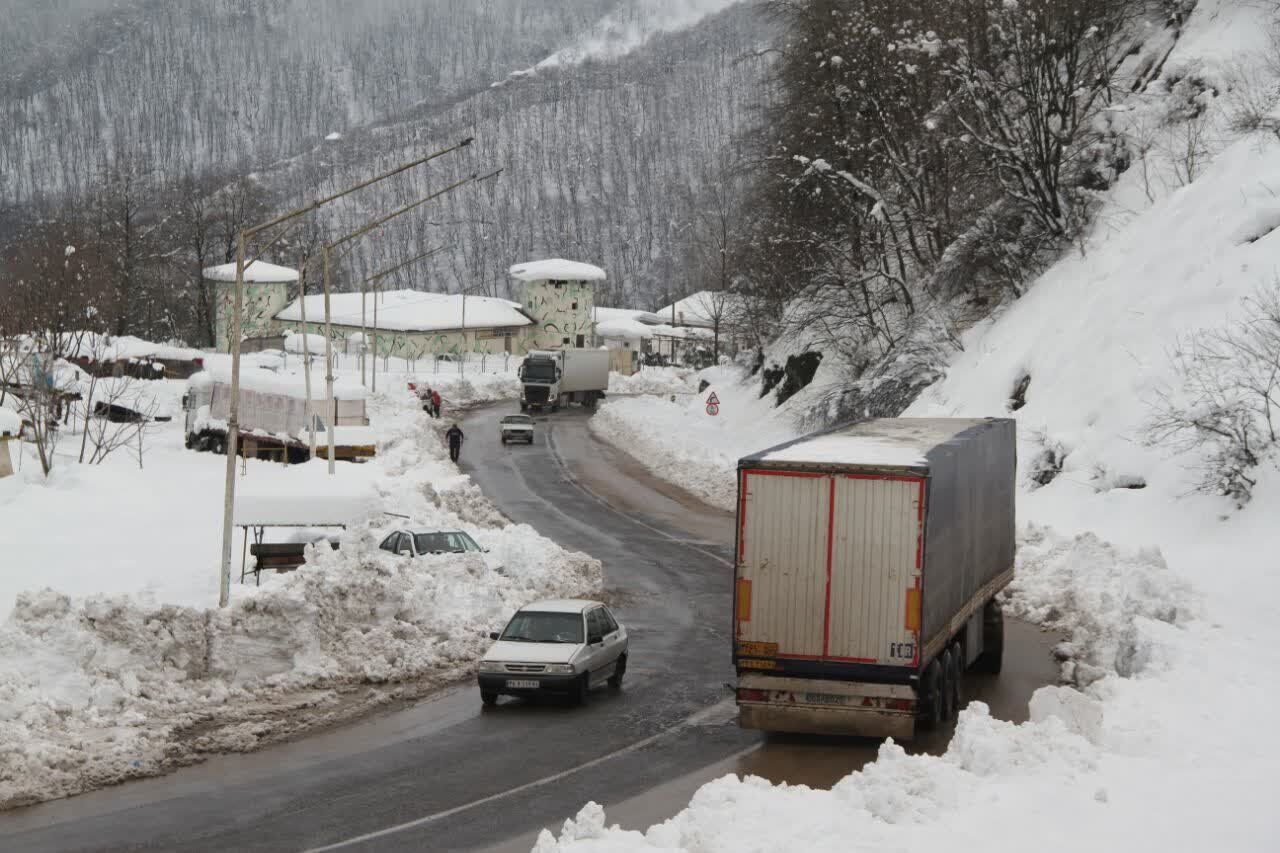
931, 692
946, 686
957, 678
992, 658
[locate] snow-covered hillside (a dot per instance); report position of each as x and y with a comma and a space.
1162, 740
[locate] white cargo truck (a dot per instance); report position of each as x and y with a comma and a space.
552, 378
868, 561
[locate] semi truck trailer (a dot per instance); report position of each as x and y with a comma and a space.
868, 561
552, 378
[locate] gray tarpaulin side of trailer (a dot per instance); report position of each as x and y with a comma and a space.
970, 527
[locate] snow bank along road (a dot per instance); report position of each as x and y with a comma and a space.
445, 774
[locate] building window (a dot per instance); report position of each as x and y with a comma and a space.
575, 306
582, 341
566, 340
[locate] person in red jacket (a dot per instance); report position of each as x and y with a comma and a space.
435, 403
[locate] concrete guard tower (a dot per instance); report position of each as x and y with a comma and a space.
267, 289
559, 296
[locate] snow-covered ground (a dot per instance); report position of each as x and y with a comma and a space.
1164, 738
115, 661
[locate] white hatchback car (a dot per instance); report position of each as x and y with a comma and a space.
563, 646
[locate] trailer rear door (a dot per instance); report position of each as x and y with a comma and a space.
782, 566
829, 567
874, 600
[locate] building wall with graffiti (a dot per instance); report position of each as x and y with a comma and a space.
261, 303
562, 314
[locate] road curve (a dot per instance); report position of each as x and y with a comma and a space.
445, 774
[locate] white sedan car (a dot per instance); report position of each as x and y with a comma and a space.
562, 646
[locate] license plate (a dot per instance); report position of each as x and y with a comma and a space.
522, 684
759, 650
827, 699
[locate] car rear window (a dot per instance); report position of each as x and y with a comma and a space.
534, 626
442, 543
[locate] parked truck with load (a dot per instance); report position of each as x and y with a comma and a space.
275, 418
869, 557
552, 378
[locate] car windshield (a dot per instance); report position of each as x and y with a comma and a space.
443, 543
538, 627
517, 419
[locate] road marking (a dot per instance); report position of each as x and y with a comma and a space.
707, 714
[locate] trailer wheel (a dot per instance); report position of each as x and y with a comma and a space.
957, 678
931, 693
946, 686
992, 657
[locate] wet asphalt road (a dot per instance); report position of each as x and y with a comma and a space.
445, 774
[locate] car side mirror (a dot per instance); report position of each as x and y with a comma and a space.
493, 635
595, 640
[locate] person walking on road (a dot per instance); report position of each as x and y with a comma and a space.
424, 395
454, 436
435, 404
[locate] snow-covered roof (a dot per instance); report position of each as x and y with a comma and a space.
701, 308
269, 382
10, 423
556, 269
412, 311
647, 317
259, 272
123, 347
889, 442
688, 333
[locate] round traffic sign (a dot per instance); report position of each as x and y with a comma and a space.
713, 409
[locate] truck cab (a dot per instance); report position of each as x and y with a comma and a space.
551, 378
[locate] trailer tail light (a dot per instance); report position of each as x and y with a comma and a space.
899, 704
746, 694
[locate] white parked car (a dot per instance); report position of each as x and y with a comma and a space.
516, 428
562, 646
410, 542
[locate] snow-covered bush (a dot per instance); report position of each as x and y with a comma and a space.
1226, 404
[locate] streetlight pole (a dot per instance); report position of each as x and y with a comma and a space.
235, 329
376, 280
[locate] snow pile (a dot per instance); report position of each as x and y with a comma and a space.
1100, 597
662, 381
468, 389
105, 687
680, 442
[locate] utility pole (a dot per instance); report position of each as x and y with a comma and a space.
236, 327
332, 414
306, 352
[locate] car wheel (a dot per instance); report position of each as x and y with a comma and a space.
503, 439
488, 697
583, 690
619, 670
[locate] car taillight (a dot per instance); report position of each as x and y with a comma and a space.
749, 695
